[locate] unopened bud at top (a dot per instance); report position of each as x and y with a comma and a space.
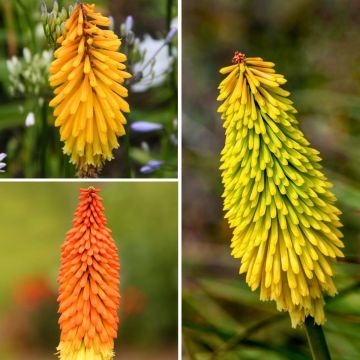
53, 22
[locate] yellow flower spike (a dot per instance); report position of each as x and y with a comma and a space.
87, 74
276, 198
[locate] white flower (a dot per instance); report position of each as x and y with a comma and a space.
27, 54
2, 164
30, 119
154, 74
145, 146
29, 75
174, 22
39, 31
12, 63
47, 56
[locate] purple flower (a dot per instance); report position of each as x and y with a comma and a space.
171, 34
129, 22
145, 126
151, 166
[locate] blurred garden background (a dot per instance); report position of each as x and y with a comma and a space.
27, 134
315, 44
34, 220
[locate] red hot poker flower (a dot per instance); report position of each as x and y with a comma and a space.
89, 284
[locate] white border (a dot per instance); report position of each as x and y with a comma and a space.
95, 180
179, 179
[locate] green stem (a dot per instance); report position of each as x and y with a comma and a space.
316, 339
169, 7
44, 135
30, 24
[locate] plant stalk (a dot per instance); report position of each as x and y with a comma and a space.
44, 139
316, 338
30, 23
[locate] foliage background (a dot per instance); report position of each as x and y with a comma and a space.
315, 45
34, 220
37, 151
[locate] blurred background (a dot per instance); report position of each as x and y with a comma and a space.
34, 220
315, 44
27, 134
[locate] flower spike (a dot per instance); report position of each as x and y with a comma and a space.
87, 75
89, 279
276, 197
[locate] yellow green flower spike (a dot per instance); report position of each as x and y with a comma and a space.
276, 197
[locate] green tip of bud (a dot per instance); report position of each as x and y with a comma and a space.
54, 22
122, 30
64, 14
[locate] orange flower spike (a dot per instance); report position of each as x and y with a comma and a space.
89, 280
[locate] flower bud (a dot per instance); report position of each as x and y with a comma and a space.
53, 23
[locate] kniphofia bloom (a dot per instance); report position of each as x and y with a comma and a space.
89, 280
276, 197
88, 75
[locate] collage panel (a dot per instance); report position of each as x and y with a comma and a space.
179, 180
64, 248
266, 271
88, 89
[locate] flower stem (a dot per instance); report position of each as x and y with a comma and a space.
169, 7
44, 139
30, 23
316, 339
